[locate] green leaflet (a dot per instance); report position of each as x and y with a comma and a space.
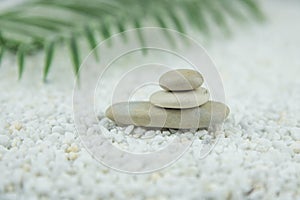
20, 58
48, 58
2, 49
74, 54
92, 41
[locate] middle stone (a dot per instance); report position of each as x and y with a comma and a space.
180, 100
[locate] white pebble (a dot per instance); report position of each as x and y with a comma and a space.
43, 185
119, 138
103, 121
149, 134
69, 137
173, 130
54, 137
295, 133
4, 140
296, 147
104, 131
166, 133
129, 129
158, 139
139, 131
73, 148
72, 156
18, 126
58, 129
90, 131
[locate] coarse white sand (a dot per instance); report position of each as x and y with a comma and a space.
257, 155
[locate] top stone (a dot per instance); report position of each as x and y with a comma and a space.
181, 80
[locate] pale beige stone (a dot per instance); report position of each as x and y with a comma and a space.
181, 80
147, 115
180, 100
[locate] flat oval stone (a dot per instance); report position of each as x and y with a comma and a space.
145, 114
181, 80
180, 100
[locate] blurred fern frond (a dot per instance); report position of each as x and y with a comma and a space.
45, 24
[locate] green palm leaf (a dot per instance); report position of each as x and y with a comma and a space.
48, 58
92, 40
75, 54
1, 54
35, 24
20, 56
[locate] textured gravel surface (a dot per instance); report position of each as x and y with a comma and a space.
257, 155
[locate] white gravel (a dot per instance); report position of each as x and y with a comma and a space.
257, 155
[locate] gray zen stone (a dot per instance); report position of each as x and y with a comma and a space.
145, 114
180, 100
181, 80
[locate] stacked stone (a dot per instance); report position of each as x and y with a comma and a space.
183, 104
181, 90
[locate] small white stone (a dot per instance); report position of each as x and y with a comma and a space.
166, 133
26, 167
119, 138
52, 122
129, 129
295, 133
103, 121
69, 127
58, 129
106, 133
4, 140
61, 120
296, 158
137, 135
158, 139
188, 135
201, 133
73, 148
43, 185
72, 156
54, 137
148, 134
113, 131
69, 137
15, 142
296, 147
173, 130
18, 126
139, 130
90, 131
276, 136
9, 188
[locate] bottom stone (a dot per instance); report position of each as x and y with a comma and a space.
141, 113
